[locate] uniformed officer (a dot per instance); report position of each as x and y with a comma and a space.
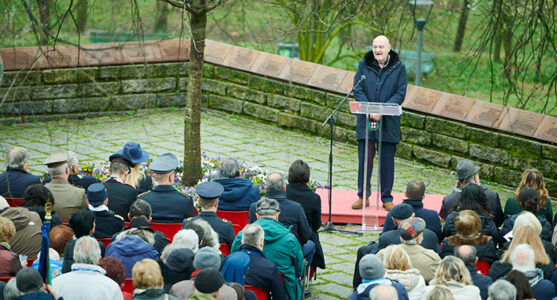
107, 222
209, 193
168, 204
68, 198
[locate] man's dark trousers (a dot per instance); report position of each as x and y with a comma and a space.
387, 168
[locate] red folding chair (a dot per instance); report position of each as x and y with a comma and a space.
483, 267
238, 218
14, 202
105, 241
224, 249
6, 278
259, 292
128, 286
169, 229
126, 224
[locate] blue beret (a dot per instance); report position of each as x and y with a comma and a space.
164, 163
209, 189
96, 194
402, 211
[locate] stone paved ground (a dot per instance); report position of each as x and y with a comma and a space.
258, 144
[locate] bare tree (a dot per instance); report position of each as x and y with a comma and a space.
161, 20
44, 15
461, 25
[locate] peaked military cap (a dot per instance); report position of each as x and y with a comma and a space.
56, 158
164, 163
209, 189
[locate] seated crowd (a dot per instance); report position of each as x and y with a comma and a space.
105, 243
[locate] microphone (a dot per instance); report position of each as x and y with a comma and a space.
363, 77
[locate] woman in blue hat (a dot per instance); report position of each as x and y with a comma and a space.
137, 178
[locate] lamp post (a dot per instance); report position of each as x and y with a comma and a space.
420, 12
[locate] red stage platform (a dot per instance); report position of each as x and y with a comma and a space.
342, 211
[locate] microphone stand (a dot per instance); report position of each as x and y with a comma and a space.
331, 121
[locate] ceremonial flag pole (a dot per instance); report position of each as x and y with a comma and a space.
44, 260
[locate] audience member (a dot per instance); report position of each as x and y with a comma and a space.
414, 195
467, 174
411, 234
30, 286
473, 198
131, 246
241, 292
178, 266
209, 193
67, 198
167, 203
136, 178
82, 181
468, 226
120, 195
82, 223
531, 178
107, 222
27, 238
520, 283
298, 190
453, 274
9, 261
524, 235
16, 179
207, 284
185, 238
528, 199
55, 263
140, 218
239, 192
502, 290
523, 259
281, 247
116, 271
399, 267
34, 199
383, 292
10, 290
526, 218
206, 258
468, 255
86, 280
250, 266
59, 236
439, 292
148, 281
208, 237
372, 272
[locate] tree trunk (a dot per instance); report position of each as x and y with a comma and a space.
461, 25
81, 15
44, 15
161, 20
192, 117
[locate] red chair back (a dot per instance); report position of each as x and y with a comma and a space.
224, 249
126, 224
259, 292
6, 278
169, 229
105, 241
30, 261
238, 218
15, 202
128, 286
482, 266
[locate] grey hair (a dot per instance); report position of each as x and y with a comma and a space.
466, 181
228, 167
523, 258
252, 235
17, 157
87, 250
59, 170
140, 208
10, 290
73, 161
383, 292
413, 241
185, 238
502, 290
144, 234
275, 181
210, 237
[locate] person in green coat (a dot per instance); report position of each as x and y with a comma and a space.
281, 247
531, 178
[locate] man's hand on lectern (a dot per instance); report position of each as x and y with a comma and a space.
375, 117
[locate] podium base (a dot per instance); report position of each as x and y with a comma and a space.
329, 227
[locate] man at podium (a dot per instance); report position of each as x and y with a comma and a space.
384, 80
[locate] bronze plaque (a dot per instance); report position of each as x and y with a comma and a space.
216, 52
421, 99
134, 52
269, 64
521, 122
327, 78
241, 58
455, 107
485, 114
347, 83
298, 71
548, 129
175, 50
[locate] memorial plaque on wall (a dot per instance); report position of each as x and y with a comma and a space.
298, 71
269, 64
347, 83
486, 114
175, 50
421, 99
455, 107
548, 129
521, 122
109, 55
327, 78
216, 52
241, 58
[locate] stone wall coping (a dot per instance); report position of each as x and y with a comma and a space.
424, 100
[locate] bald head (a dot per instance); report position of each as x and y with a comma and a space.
383, 292
276, 182
467, 254
381, 49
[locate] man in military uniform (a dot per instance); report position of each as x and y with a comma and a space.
168, 204
68, 198
107, 222
209, 193
75, 178
120, 195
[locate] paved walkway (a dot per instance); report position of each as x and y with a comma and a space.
258, 144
